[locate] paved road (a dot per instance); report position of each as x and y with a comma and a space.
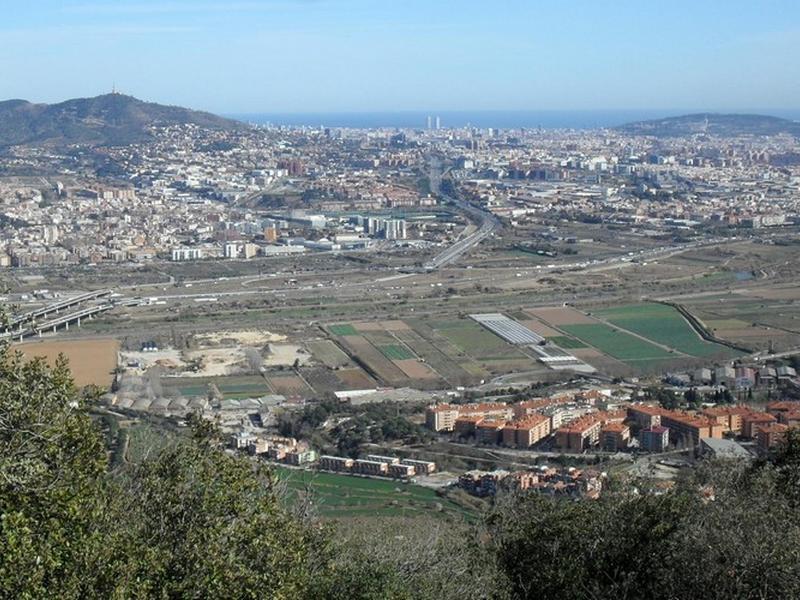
488, 224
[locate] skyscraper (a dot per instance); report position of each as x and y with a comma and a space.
430, 122
438, 123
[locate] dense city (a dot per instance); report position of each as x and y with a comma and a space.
357, 300
467, 309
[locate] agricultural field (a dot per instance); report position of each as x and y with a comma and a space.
342, 496
91, 361
374, 359
617, 344
566, 342
663, 325
343, 329
480, 351
754, 317
329, 354
355, 379
322, 379
391, 352
475, 340
396, 352
455, 372
289, 385
230, 387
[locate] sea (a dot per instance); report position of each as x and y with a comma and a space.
523, 119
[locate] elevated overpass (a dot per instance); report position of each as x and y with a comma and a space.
29, 317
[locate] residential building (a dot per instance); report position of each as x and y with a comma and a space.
421, 467
488, 431
654, 439
769, 436
615, 437
370, 467
335, 463
753, 421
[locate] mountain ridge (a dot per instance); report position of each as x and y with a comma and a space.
106, 120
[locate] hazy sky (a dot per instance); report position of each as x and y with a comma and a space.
376, 55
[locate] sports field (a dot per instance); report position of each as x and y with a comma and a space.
342, 496
616, 343
664, 325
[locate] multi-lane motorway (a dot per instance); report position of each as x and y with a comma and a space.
488, 223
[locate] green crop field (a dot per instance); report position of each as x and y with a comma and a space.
566, 342
473, 339
343, 329
664, 325
615, 343
337, 496
395, 352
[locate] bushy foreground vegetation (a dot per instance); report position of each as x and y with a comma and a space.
193, 521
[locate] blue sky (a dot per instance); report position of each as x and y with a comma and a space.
383, 55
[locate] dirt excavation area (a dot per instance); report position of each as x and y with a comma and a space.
252, 337
220, 354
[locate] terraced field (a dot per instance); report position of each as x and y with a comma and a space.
663, 325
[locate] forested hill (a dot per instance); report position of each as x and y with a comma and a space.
110, 119
724, 125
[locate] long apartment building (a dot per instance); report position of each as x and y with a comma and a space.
525, 432
584, 432
684, 427
443, 417
730, 417
335, 463
446, 417
787, 412
370, 467
754, 421
489, 431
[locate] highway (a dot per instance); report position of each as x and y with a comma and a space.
56, 307
488, 224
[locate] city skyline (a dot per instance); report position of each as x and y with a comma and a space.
355, 56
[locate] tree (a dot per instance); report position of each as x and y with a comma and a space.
204, 524
714, 531
190, 522
52, 461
